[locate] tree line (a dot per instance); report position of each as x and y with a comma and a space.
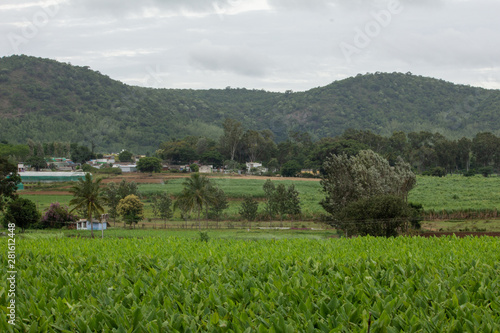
429, 153
425, 151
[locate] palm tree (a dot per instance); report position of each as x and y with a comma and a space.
88, 197
196, 193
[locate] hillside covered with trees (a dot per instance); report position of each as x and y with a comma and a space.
46, 101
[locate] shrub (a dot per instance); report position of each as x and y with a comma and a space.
88, 168
438, 172
435, 172
384, 215
486, 171
109, 171
204, 236
470, 173
22, 212
249, 208
56, 216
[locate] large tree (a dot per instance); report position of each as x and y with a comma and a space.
80, 154
113, 193
162, 206
196, 194
178, 151
37, 162
350, 179
217, 203
383, 216
249, 207
131, 209
125, 156
149, 164
9, 178
269, 189
87, 196
485, 147
231, 139
22, 212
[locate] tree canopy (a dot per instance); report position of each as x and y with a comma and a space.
22, 212
351, 179
87, 196
149, 164
9, 178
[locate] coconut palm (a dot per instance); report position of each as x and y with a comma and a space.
88, 197
197, 193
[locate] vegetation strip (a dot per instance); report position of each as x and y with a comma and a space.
180, 284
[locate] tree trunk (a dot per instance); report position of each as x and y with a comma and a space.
91, 224
199, 221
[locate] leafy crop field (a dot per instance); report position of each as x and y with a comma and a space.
456, 192
180, 284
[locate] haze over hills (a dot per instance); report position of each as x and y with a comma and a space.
46, 100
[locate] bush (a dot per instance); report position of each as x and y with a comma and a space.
56, 216
435, 172
88, 168
109, 171
22, 212
290, 169
486, 171
204, 236
385, 215
470, 173
249, 208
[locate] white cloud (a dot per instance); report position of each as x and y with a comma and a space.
269, 44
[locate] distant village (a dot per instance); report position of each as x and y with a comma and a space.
62, 169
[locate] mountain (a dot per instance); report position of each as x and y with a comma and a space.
46, 100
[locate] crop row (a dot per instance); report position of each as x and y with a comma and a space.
185, 285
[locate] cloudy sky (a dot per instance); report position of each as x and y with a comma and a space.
274, 45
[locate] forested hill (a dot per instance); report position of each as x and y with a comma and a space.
46, 101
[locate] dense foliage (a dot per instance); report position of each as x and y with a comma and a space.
349, 179
382, 216
50, 101
366, 195
88, 197
57, 216
21, 212
149, 164
182, 284
9, 178
131, 209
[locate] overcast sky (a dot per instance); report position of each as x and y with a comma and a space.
274, 45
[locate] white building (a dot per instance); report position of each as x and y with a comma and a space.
126, 167
256, 166
206, 168
83, 224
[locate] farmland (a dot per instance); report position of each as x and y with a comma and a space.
179, 283
451, 193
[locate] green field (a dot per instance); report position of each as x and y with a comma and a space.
453, 192
456, 192
181, 284
43, 201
